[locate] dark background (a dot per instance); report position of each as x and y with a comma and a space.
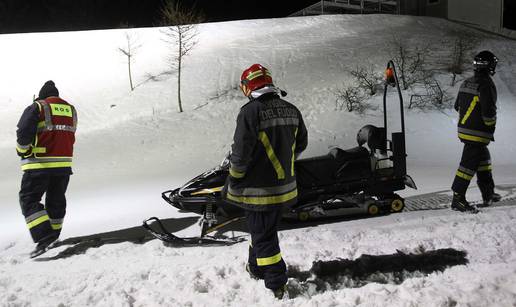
62, 15
17, 16
509, 14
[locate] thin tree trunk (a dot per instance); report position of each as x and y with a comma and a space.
130, 75
402, 66
180, 57
179, 86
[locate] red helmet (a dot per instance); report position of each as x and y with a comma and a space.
255, 77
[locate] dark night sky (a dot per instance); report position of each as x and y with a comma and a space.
62, 15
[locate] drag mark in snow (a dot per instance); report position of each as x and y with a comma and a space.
394, 269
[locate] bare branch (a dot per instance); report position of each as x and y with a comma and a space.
367, 78
181, 35
129, 51
463, 45
352, 98
410, 62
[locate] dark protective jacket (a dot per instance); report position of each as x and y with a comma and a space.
46, 135
476, 104
269, 135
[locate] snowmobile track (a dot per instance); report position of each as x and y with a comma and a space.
442, 200
431, 201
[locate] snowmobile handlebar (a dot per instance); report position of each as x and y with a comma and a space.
391, 78
225, 162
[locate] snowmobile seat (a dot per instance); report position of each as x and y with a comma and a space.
352, 164
342, 155
315, 171
337, 165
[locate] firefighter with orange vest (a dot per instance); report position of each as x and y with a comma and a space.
476, 104
45, 139
269, 135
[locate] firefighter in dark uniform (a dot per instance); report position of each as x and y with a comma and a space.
269, 135
476, 104
45, 138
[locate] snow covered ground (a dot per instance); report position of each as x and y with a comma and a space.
131, 146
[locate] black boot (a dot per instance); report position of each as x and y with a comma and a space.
490, 199
43, 244
253, 275
460, 203
280, 292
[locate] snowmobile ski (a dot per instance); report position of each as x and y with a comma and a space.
160, 232
216, 227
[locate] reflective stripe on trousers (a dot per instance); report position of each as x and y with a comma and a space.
37, 218
269, 260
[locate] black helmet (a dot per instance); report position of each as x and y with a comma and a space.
485, 61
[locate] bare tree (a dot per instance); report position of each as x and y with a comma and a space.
410, 62
432, 96
181, 35
367, 78
350, 97
400, 57
129, 51
463, 45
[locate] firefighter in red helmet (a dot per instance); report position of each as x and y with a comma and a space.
269, 135
45, 139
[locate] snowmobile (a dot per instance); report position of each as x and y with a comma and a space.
360, 179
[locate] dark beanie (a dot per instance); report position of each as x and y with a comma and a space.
48, 89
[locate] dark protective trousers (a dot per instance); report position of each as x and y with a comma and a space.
43, 220
475, 160
265, 261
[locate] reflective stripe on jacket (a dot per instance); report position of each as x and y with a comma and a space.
47, 137
476, 104
270, 133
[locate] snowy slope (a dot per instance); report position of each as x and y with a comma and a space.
131, 146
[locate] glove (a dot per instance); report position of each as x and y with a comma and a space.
24, 154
